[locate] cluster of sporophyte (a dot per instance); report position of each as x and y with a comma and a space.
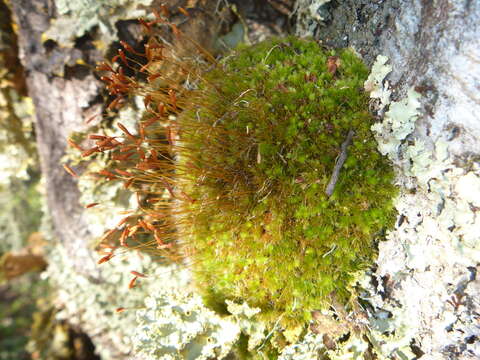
258, 170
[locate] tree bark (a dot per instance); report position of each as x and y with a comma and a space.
62, 97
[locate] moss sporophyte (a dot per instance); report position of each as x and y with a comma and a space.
231, 163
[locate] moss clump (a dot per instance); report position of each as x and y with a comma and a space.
232, 159
259, 142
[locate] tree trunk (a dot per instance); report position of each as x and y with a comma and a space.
61, 99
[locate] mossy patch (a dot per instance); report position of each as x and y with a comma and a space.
259, 142
231, 163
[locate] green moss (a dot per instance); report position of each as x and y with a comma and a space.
259, 142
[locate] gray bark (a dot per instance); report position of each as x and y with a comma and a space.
61, 97
64, 96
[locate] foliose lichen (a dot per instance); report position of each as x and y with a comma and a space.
182, 329
376, 84
160, 318
92, 303
80, 16
309, 14
428, 265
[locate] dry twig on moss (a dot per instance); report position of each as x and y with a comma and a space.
339, 163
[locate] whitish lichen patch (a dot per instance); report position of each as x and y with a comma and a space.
427, 266
178, 326
161, 317
244, 317
310, 347
79, 16
309, 14
398, 123
91, 302
374, 84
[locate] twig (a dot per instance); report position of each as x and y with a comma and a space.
339, 163
271, 332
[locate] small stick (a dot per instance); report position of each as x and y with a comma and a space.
339, 163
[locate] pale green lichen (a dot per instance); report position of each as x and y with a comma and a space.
429, 257
80, 16
374, 82
398, 123
178, 326
244, 317
315, 9
309, 14
354, 348
468, 188
310, 347
91, 302
163, 319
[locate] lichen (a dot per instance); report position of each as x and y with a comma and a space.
244, 317
19, 168
78, 17
374, 83
427, 266
160, 318
91, 303
398, 123
180, 327
310, 347
309, 14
